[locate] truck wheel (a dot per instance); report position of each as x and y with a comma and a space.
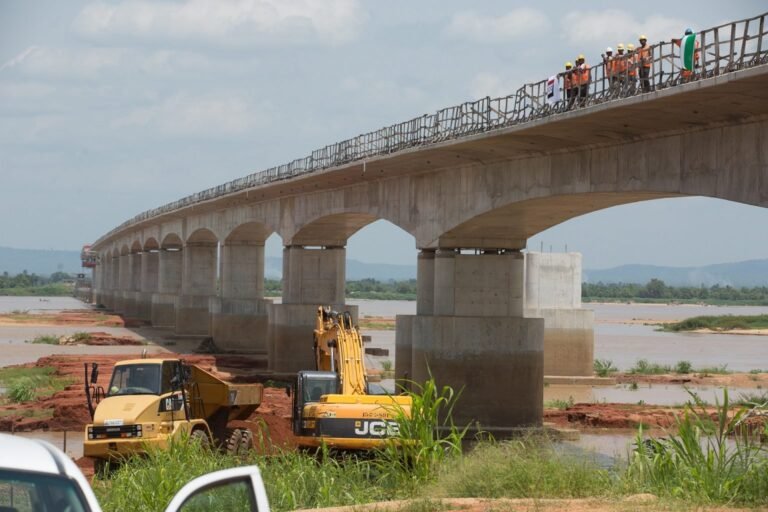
200, 436
246, 441
233, 442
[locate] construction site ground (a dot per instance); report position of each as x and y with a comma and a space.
112, 340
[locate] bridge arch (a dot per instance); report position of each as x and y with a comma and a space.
202, 236
334, 229
172, 241
511, 225
150, 244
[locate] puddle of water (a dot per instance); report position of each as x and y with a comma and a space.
651, 394
69, 442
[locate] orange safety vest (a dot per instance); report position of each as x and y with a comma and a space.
568, 79
584, 74
632, 60
644, 55
619, 64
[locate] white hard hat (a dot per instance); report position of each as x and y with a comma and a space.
609, 49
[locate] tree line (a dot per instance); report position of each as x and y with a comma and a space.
34, 284
658, 290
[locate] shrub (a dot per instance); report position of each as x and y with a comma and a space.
604, 367
683, 367
386, 365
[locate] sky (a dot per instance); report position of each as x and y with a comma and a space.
110, 108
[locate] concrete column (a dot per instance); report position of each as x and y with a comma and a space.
106, 287
198, 285
123, 282
239, 318
425, 282
97, 283
425, 304
311, 278
553, 292
130, 294
148, 283
477, 340
169, 287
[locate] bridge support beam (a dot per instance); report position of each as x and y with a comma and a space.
198, 285
472, 335
169, 287
239, 318
553, 292
148, 283
312, 277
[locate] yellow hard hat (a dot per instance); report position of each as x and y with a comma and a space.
568, 65
580, 57
630, 46
619, 47
642, 37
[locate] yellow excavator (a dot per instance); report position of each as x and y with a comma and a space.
332, 405
151, 401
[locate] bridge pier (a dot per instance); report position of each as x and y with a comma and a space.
133, 282
123, 273
198, 285
469, 332
169, 285
553, 292
239, 317
311, 277
148, 283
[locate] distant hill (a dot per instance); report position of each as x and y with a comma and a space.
744, 273
41, 262
356, 270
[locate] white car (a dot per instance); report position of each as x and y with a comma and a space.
35, 476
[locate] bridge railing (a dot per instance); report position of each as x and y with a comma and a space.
722, 49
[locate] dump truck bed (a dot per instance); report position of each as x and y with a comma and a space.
212, 396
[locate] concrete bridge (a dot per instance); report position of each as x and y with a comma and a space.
472, 184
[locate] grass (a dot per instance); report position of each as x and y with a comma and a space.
719, 323
643, 367
46, 339
604, 367
704, 461
27, 384
526, 468
81, 336
559, 404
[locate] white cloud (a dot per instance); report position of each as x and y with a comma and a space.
610, 27
229, 23
511, 26
186, 115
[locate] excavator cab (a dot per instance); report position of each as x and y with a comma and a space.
310, 386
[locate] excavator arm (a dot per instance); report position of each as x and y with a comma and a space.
339, 349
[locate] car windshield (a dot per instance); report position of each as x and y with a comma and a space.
23, 491
135, 379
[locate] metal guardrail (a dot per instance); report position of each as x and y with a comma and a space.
722, 49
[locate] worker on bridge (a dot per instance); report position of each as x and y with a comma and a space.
632, 65
584, 78
644, 58
689, 54
568, 84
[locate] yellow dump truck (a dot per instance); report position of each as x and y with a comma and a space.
150, 401
333, 404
